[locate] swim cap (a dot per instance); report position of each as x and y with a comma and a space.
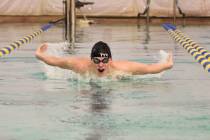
101, 49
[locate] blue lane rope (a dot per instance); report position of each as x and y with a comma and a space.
47, 26
184, 41
16, 44
191, 42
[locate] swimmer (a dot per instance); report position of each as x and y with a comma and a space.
100, 62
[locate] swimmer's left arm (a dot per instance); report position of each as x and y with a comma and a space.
139, 68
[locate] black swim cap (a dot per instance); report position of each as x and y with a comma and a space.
101, 49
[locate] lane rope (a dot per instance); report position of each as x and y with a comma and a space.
200, 49
198, 55
26, 39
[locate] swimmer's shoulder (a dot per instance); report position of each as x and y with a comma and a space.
120, 64
79, 60
126, 66
78, 64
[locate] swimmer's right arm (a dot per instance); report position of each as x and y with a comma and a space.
62, 62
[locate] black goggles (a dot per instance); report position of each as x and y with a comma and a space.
97, 61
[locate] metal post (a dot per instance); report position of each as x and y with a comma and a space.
71, 22
174, 10
148, 10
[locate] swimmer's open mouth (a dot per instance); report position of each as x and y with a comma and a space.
100, 70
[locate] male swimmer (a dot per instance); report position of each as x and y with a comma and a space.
100, 62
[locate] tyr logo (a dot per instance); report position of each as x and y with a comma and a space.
104, 54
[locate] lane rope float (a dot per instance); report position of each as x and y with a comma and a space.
198, 56
200, 49
17, 44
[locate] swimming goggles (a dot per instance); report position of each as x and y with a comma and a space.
97, 61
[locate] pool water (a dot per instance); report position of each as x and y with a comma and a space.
36, 106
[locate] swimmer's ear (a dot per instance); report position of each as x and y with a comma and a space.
110, 59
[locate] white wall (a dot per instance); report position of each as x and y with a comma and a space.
105, 7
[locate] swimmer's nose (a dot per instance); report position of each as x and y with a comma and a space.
100, 64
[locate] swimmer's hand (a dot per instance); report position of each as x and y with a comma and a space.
169, 61
40, 50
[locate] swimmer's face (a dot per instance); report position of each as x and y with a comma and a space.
101, 63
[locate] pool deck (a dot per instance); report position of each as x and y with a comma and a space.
111, 20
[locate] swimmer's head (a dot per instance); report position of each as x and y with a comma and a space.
101, 57
101, 49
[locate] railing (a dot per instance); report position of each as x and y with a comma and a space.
70, 22
146, 11
176, 6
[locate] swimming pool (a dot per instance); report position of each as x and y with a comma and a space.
36, 107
